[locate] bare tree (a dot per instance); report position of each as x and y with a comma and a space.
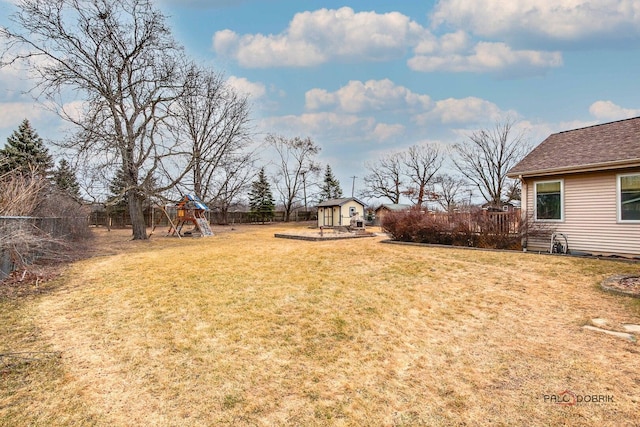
214, 119
295, 162
513, 191
449, 190
233, 180
25, 195
385, 178
422, 162
488, 154
118, 55
20, 191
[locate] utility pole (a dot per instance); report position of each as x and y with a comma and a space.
304, 188
353, 184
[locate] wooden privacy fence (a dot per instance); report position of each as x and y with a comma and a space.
155, 217
480, 221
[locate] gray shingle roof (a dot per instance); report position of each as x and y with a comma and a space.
338, 202
602, 146
395, 206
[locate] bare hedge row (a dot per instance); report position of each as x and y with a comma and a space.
37, 221
477, 228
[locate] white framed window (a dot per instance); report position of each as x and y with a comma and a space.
549, 200
352, 210
629, 197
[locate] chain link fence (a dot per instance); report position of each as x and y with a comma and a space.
23, 239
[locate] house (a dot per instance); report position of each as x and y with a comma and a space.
510, 206
585, 184
338, 212
386, 208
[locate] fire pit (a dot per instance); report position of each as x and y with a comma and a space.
623, 284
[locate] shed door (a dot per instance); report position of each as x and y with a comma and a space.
328, 217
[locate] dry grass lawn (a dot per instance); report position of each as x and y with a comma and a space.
243, 329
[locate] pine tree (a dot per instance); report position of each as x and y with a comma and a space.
261, 201
65, 179
25, 151
330, 187
117, 201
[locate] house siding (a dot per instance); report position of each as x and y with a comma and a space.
590, 215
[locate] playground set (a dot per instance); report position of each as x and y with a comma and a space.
189, 211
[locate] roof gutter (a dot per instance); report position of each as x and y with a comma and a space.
596, 167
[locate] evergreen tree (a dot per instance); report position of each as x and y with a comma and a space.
330, 186
65, 179
25, 151
261, 201
117, 201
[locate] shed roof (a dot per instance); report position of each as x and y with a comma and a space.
395, 206
605, 146
338, 202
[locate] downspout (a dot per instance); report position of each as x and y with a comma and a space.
524, 241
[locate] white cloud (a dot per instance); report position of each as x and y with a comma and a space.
454, 42
608, 111
259, 51
330, 126
483, 57
381, 111
386, 132
244, 86
372, 95
14, 80
75, 109
316, 123
313, 38
460, 111
563, 20
316, 99
203, 4
13, 113
342, 35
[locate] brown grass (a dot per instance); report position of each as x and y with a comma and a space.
245, 329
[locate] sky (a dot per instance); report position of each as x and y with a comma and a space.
366, 78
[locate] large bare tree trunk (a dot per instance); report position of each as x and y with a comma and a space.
119, 59
136, 214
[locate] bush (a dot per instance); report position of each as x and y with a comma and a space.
69, 219
414, 226
42, 221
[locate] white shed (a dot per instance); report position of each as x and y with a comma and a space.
338, 212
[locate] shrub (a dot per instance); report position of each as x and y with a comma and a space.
41, 221
477, 228
414, 226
